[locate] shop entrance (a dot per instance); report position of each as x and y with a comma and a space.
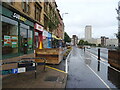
23, 41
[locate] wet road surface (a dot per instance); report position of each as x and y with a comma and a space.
103, 52
85, 71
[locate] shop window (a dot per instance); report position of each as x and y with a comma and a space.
9, 38
36, 40
26, 38
30, 40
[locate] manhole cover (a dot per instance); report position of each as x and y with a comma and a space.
51, 78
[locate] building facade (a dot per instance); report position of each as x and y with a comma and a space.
74, 40
111, 42
28, 25
88, 32
103, 41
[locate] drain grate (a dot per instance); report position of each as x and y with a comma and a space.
51, 78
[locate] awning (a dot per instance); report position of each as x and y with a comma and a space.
53, 36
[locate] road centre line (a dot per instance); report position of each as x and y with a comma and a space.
97, 75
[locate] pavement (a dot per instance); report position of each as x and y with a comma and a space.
51, 78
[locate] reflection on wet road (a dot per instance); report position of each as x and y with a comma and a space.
85, 71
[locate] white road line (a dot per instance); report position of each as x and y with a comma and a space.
99, 77
105, 63
66, 62
97, 56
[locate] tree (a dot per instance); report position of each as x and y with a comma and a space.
118, 37
99, 45
86, 43
66, 38
81, 42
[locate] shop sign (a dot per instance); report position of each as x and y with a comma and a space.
14, 40
14, 70
45, 33
17, 16
38, 27
20, 70
7, 40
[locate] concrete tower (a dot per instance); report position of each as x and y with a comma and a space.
88, 32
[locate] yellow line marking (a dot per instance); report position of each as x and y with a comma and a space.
55, 69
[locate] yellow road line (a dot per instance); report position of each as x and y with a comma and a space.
55, 69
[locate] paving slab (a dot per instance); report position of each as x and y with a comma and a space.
43, 80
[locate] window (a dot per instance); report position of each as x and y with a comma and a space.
26, 35
11, 2
30, 40
36, 40
9, 36
45, 7
26, 6
45, 22
37, 12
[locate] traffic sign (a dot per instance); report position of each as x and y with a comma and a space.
14, 70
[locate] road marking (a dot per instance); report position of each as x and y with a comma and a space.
55, 69
105, 63
97, 56
99, 77
66, 62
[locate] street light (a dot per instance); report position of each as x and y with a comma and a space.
63, 23
64, 14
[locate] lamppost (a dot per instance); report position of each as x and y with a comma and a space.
63, 23
64, 14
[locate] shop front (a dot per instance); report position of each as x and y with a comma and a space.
49, 40
17, 34
38, 36
45, 39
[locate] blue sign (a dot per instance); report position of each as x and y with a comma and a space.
49, 35
14, 70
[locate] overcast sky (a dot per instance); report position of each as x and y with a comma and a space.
100, 14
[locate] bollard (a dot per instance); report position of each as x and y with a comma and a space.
84, 48
98, 66
98, 53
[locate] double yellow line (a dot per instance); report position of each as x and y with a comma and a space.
55, 69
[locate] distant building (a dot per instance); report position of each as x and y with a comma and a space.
111, 43
103, 41
96, 41
88, 32
74, 40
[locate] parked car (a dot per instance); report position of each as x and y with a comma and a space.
88, 47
